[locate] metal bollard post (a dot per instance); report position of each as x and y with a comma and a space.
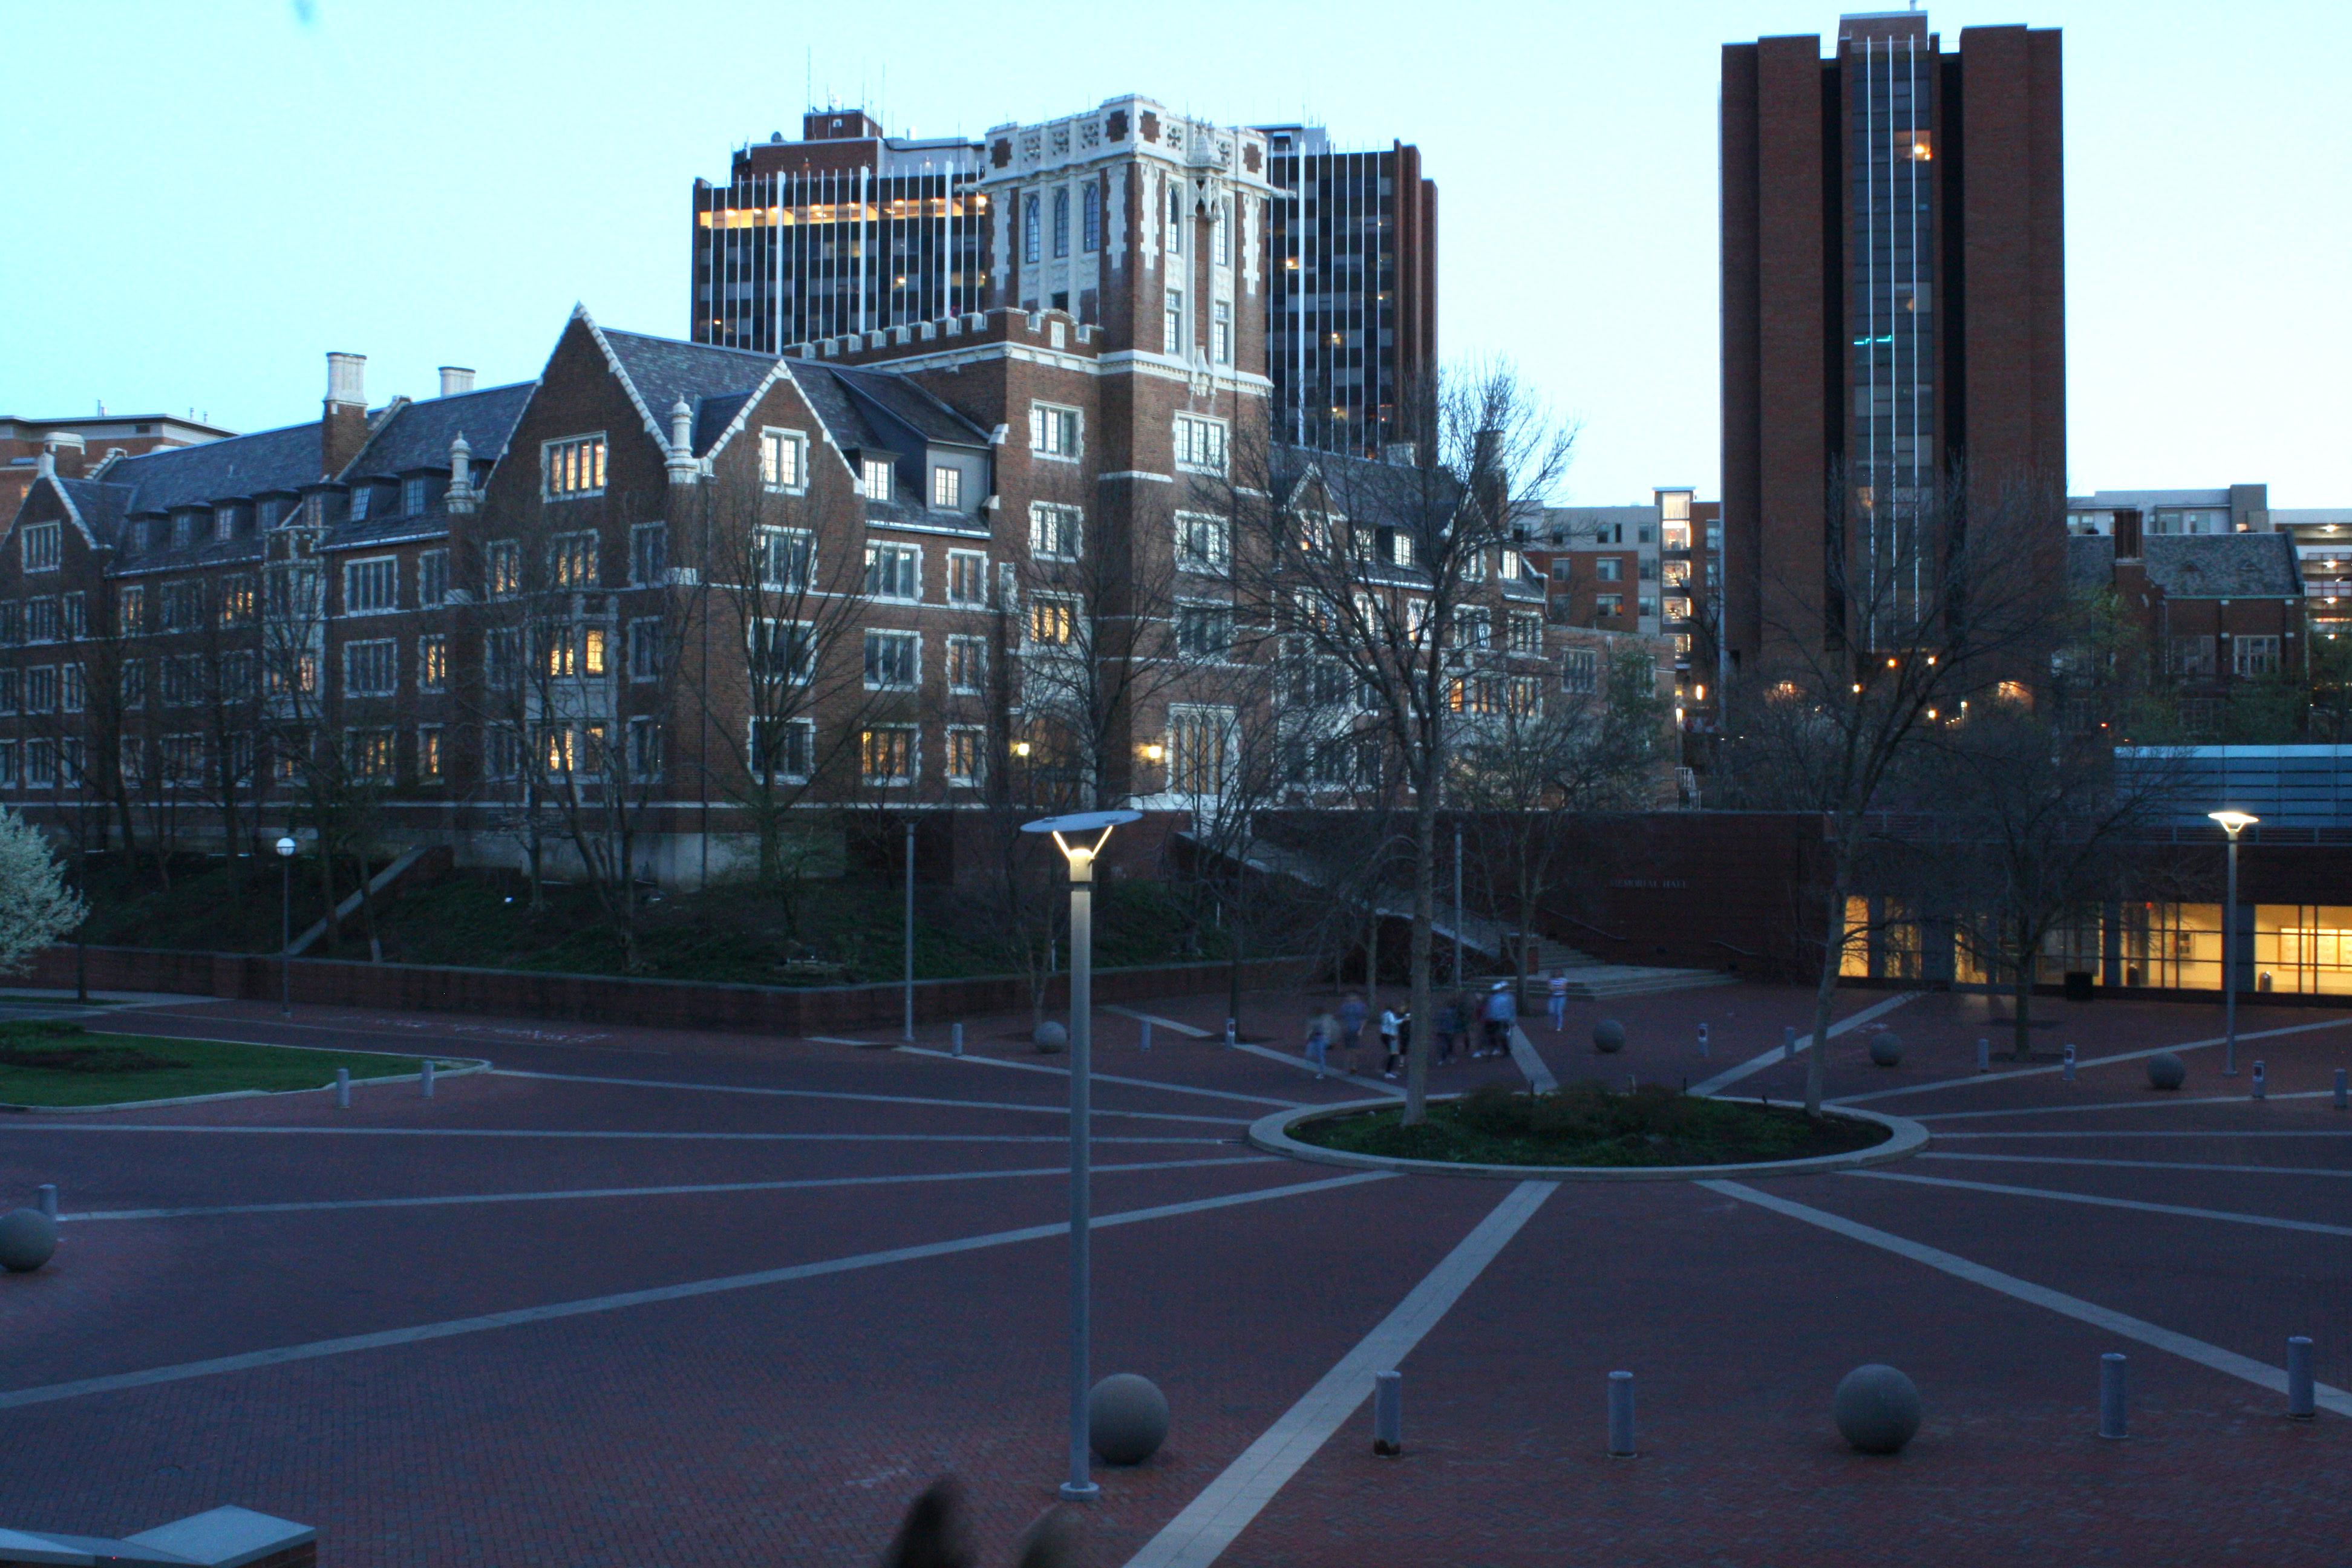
1620, 1414
1702, 1042
2110, 1396
1388, 1413
1984, 1053
2343, 1101
1229, 1037
1146, 1036
2068, 1070
2301, 1401
343, 1088
955, 1039
47, 1200
425, 1080
2258, 1080
1788, 1042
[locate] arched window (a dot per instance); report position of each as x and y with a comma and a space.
1030, 236
1061, 223
1090, 218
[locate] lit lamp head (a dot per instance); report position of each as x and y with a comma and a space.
286, 847
1154, 752
2233, 821
1081, 857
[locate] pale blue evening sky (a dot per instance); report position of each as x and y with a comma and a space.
202, 198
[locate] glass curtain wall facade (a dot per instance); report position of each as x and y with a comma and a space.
2291, 949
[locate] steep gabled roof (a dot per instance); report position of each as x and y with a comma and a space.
2089, 562
418, 435
2222, 565
660, 372
235, 467
893, 396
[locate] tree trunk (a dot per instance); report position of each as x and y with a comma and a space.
367, 913
1825, 990
2022, 1005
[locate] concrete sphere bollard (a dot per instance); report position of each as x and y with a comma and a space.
1877, 1409
2166, 1071
1051, 1037
1608, 1037
1127, 1418
28, 1238
1886, 1048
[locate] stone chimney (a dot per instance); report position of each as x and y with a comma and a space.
456, 380
461, 498
681, 464
343, 428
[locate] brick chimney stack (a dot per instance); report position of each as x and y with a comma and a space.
344, 428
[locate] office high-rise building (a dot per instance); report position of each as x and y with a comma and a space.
1894, 299
845, 230
1352, 324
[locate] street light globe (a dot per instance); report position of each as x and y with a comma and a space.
287, 847
2233, 821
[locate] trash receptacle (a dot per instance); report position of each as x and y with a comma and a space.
2078, 985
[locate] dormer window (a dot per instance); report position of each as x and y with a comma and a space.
224, 522
361, 496
184, 531
271, 510
412, 497
877, 478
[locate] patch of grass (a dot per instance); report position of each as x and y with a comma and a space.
1589, 1124
53, 1062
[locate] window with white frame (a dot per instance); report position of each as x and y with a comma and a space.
1200, 443
432, 663
371, 586
12, 690
236, 606
648, 554
967, 577
502, 658
412, 497
41, 688
645, 648
967, 665
1221, 333
432, 763
237, 675
967, 748
41, 765
1054, 531
572, 467
1032, 227
571, 560
367, 752
1204, 630
947, 487
874, 477
1608, 569
502, 567
893, 661
1171, 322
2253, 656
129, 614
784, 459
1609, 604
432, 578
887, 755
894, 572
1221, 239
1176, 216
1204, 542
783, 749
1053, 620
40, 546
645, 751
1527, 633
71, 691
782, 651
8, 764
1579, 672
1473, 566
1199, 739
1053, 430
371, 668
363, 496
502, 752
1473, 631
1090, 218
785, 556
1061, 223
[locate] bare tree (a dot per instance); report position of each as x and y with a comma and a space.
1918, 612
1384, 569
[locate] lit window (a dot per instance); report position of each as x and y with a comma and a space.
967, 665
1052, 619
965, 749
876, 478
947, 487
784, 459
572, 560
1198, 739
430, 763
967, 577
432, 663
502, 567
887, 754
574, 467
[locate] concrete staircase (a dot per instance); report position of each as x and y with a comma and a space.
1591, 979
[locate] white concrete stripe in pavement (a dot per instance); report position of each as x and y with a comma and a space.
1376, 1084
2153, 1103
2155, 1132
2096, 1201
1525, 1058
2213, 1357
330, 1204
210, 1129
2140, 1165
866, 1098
2084, 1062
385, 1338
1763, 1059
1157, 1022
1098, 1075
1212, 1522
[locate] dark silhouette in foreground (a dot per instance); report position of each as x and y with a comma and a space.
932, 1535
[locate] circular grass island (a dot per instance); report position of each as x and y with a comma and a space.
1588, 1131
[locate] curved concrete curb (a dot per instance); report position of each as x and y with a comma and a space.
465, 1065
1272, 1134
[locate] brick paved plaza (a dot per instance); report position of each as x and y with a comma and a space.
639, 1297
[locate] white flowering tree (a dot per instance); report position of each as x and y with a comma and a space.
35, 906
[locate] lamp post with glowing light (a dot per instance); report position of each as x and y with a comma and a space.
286, 847
1081, 1486
2232, 823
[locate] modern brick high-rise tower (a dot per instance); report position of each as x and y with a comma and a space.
1893, 296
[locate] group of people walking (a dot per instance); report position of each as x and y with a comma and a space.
1489, 1018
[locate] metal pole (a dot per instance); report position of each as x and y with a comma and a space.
1388, 1413
2301, 1401
1080, 1486
1457, 907
910, 928
285, 936
2110, 1396
2230, 968
1620, 1415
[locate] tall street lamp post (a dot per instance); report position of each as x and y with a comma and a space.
1080, 1486
2232, 823
286, 847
